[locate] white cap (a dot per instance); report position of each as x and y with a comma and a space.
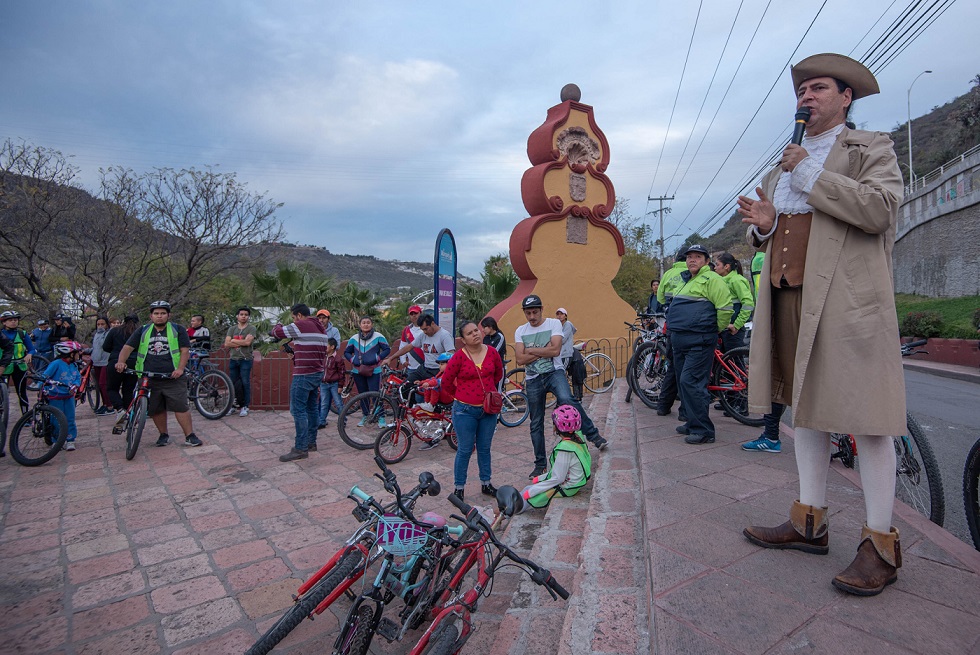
562, 310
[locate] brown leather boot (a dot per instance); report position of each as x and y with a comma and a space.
876, 565
805, 530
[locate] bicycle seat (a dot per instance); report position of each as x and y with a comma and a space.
434, 519
579, 346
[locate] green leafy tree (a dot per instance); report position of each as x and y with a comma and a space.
289, 285
497, 282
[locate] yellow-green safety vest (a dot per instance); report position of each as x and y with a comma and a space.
145, 346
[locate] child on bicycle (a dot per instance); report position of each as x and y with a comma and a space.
61, 379
571, 462
432, 390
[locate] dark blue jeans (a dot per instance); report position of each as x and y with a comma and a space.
329, 399
240, 370
693, 354
668, 391
304, 405
771, 421
537, 389
474, 429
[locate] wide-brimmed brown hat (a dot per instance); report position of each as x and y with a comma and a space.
851, 72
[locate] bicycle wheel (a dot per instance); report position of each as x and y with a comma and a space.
646, 372
305, 605
92, 394
515, 409
918, 483
4, 415
971, 492
392, 445
38, 435
361, 433
443, 639
213, 395
358, 637
134, 430
735, 402
600, 373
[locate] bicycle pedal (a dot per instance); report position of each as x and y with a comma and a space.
388, 629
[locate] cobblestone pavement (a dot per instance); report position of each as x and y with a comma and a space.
197, 550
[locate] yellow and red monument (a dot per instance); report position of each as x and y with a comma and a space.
567, 251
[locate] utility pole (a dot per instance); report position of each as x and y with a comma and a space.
660, 214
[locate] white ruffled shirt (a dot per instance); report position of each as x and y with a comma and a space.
793, 188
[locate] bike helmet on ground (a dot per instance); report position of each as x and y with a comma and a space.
9, 314
443, 357
159, 304
63, 348
566, 419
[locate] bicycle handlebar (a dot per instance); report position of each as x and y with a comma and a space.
391, 486
539, 575
149, 374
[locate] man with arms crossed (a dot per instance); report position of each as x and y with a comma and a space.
537, 347
826, 332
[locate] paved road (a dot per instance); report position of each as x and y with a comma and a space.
949, 413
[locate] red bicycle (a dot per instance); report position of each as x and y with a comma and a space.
452, 624
394, 442
730, 383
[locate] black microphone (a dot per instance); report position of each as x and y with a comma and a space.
802, 116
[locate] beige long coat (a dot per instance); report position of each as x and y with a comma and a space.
848, 374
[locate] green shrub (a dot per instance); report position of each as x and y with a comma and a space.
925, 325
976, 318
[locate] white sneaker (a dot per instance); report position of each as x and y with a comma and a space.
244, 412
70, 445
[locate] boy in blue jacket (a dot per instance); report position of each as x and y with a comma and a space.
62, 378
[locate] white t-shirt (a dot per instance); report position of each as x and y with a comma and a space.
432, 347
539, 337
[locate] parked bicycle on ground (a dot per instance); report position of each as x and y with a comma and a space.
453, 624
349, 563
211, 389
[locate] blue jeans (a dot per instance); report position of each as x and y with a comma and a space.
67, 406
329, 399
367, 383
693, 354
304, 401
474, 428
536, 389
240, 370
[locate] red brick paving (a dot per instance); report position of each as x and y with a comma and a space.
198, 550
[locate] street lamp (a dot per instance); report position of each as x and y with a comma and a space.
908, 101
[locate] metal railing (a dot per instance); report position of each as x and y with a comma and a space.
925, 180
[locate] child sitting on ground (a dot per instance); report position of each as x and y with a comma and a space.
62, 378
571, 463
432, 390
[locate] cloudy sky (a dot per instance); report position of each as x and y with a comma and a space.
379, 123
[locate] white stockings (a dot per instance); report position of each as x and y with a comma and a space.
876, 462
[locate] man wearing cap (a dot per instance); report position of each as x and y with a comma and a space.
537, 347
323, 315
64, 329
40, 336
701, 308
669, 284
410, 332
433, 341
828, 345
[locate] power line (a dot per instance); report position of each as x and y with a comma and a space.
676, 96
751, 120
706, 93
722, 102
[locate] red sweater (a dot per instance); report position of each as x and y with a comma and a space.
462, 379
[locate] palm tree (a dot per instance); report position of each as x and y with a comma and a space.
498, 281
350, 304
290, 285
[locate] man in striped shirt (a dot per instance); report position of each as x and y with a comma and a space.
310, 353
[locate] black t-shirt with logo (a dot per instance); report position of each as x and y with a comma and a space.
158, 357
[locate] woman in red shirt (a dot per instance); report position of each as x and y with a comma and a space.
472, 371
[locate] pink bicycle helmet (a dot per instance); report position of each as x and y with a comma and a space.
566, 419
63, 348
